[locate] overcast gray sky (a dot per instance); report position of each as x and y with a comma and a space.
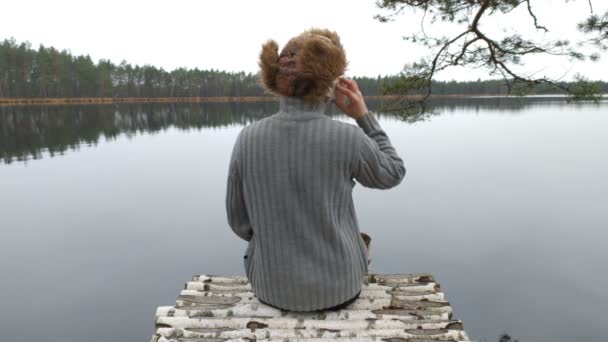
227, 35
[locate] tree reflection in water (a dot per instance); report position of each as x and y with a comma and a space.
28, 132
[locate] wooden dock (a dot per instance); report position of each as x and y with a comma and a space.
391, 308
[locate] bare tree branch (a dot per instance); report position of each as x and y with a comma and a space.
539, 27
473, 47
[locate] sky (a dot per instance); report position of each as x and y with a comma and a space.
227, 35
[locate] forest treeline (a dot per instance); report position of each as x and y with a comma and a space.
28, 132
26, 72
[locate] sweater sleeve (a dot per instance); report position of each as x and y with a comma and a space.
236, 210
377, 164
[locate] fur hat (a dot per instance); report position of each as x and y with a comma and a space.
307, 67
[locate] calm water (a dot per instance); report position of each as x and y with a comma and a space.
106, 211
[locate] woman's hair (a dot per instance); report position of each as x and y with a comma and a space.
307, 66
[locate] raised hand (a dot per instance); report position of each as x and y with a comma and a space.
349, 99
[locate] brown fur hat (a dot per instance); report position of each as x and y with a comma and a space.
307, 66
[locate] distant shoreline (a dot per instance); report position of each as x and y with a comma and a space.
61, 101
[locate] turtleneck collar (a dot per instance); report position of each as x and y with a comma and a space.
295, 108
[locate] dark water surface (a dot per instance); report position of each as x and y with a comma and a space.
106, 211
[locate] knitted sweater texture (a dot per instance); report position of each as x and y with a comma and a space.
289, 194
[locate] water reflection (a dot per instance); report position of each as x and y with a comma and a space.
27, 132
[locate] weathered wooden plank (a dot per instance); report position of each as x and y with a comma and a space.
211, 287
371, 278
196, 297
240, 288
300, 323
293, 334
264, 311
247, 311
365, 294
360, 304
295, 323
220, 279
321, 339
357, 306
400, 278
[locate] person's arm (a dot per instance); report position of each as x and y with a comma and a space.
377, 164
236, 210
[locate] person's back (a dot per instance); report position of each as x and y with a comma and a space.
289, 194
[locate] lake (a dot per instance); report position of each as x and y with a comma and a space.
106, 211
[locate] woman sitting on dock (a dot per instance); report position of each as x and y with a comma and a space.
291, 175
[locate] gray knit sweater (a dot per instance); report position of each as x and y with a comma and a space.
289, 193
